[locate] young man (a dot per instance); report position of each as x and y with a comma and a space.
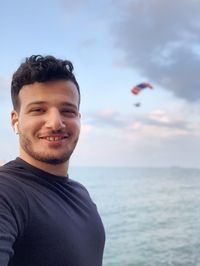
46, 219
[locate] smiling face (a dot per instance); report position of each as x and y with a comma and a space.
48, 122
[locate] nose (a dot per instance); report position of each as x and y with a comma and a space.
54, 120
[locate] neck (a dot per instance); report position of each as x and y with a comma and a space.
55, 169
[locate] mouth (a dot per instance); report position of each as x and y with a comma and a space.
54, 138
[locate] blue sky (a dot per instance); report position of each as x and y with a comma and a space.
114, 45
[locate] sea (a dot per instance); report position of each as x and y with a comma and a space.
151, 215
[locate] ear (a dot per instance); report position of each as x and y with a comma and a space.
14, 121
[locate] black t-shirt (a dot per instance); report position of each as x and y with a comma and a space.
46, 220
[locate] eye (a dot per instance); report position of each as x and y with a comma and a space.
37, 110
69, 112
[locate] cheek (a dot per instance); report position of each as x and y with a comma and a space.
29, 126
75, 127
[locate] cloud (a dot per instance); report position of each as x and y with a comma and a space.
74, 6
4, 89
86, 129
159, 124
107, 118
158, 39
74, 9
159, 138
90, 42
4, 82
165, 119
161, 40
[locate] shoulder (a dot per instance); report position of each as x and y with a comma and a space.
11, 188
13, 204
76, 185
8, 178
81, 191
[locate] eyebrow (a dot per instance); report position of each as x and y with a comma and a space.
67, 104
36, 102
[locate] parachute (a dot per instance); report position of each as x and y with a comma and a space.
137, 89
137, 104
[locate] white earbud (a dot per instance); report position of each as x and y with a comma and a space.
16, 128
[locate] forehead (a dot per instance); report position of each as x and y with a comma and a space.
50, 92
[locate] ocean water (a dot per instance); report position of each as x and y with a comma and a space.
151, 215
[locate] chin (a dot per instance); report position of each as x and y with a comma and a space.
55, 161
52, 159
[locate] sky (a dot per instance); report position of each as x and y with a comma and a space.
114, 45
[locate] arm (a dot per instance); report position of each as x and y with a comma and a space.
11, 220
8, 231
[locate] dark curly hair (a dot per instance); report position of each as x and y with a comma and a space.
38, 68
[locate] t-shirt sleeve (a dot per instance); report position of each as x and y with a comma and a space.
12, 219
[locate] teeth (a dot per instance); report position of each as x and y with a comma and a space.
54, 138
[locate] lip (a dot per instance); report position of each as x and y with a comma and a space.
54, 138
50, 138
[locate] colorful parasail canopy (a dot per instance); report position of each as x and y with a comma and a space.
136, 90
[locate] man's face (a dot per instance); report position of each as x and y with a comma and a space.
48, 121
